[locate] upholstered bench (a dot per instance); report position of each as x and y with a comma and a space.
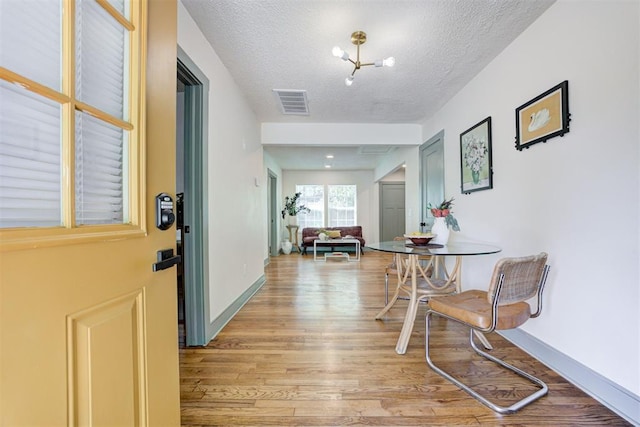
309, 234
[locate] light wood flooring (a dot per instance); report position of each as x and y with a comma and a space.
306, 351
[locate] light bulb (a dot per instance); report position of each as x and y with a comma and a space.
348, 81
336, 51
389, 62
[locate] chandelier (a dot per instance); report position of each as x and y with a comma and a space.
358, 38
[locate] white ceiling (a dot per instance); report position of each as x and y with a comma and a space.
439, 46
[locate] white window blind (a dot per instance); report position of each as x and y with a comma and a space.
33, 129
30, 159
101, 53
99, 171
101, 49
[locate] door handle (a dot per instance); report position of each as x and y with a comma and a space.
166, 259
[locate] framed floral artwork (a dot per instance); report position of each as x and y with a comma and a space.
476, 169
544, 117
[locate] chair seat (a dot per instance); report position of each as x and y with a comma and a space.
473, 308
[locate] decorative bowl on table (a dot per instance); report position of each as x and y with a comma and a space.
420, 239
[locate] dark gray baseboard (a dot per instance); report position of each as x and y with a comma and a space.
216, 326
620, 400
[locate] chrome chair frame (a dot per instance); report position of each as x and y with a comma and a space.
494, 321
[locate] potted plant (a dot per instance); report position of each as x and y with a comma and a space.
444, 220
292, 207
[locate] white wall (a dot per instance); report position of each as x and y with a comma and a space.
576, 197
271, 165
237, 213
366, 204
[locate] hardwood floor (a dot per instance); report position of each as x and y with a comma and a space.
307, 351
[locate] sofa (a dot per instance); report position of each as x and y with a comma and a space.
309, 234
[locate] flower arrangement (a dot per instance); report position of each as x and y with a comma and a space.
443, 210
291, 206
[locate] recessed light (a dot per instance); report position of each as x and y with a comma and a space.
327, 166
404, 166
329, 156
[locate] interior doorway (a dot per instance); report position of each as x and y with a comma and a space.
192, 196
431, 175
272, 198
392, 210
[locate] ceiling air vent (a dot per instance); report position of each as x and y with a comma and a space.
292, 101
375, 149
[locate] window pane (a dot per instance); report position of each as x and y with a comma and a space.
30, 39
313, 198
101, 52
342, 205
100, 150
121, 6
30, 155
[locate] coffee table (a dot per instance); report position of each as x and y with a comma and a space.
319, 242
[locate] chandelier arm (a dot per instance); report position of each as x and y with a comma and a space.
368, 63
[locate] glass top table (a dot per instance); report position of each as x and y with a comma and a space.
451, 249
421, 281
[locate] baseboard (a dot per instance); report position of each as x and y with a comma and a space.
620, 400
216, 326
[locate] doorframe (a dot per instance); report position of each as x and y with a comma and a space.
196, 211
274, 239
437, 139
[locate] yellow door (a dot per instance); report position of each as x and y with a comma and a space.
88, 332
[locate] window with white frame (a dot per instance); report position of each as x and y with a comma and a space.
70, 115
311, 196
331, 205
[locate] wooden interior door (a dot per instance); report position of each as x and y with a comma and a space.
88, 332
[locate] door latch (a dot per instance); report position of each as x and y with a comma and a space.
166, 259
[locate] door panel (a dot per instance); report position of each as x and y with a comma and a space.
103, 366
80, 324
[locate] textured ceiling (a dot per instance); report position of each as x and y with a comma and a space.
439, 46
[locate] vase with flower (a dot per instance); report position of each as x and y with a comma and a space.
443, 220
292, 208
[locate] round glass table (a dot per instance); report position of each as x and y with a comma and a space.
422, 273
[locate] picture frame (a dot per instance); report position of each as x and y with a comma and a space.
476, 164
544, 117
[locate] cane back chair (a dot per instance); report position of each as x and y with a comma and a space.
503, 306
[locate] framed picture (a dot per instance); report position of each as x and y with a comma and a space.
544, 117
475, 158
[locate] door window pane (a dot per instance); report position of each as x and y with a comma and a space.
100, 149
101, 52
30, 159
31, 39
